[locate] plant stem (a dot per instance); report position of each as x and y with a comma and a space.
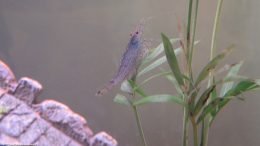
204, 132
137, 117
185, 127
195, 131
189, 25
205, 126
194, 31
138, 121
215, 29
188, 35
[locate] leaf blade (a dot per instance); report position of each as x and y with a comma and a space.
203, 99
211, 65
174, 82
242, 86
209, 108
172, 60
121, 99
159, 99
153, 65
157, 51
233, 71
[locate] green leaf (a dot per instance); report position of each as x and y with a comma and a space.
209, 108
241, 87
218, 107
159, 99
152, 77
136, 88
232, 72
203, 99
126, 87
257, 81
150, 67
174, 82
157, 63
192, 97
211, 65
172, 60
157, 51
121, 99
214, 93
232, 78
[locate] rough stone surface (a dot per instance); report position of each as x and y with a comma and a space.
35, 131
103, 139
7, 104
7, 78
27, 90
53, 137
65, 119
49, 123
17, 121
5, 139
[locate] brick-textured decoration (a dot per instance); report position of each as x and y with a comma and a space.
49, 123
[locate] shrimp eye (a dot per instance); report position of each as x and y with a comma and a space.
136, 32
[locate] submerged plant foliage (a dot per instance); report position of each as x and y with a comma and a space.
201, 102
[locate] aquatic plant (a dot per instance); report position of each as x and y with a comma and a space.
201, 97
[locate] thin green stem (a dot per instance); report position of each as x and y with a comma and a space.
205, 126
137, 117
139, 125
215, 29
186, 110
188, 35
185, 127
195, 131
205, 132
189, 24
202, 133
193, 35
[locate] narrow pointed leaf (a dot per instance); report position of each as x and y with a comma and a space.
211, 65
192, 98
241, 87
157, 63
174, 82
218, 108
152, 77
159, 99
157, 51
121, 99
257, 81
153, 65
209, 108
214, 93
172, 60
233, 78
203, 99
126, 87
137, 89
233, 71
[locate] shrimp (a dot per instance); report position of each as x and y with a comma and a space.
135, 51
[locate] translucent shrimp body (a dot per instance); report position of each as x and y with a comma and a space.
130, 61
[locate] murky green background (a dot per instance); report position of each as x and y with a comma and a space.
73, 48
